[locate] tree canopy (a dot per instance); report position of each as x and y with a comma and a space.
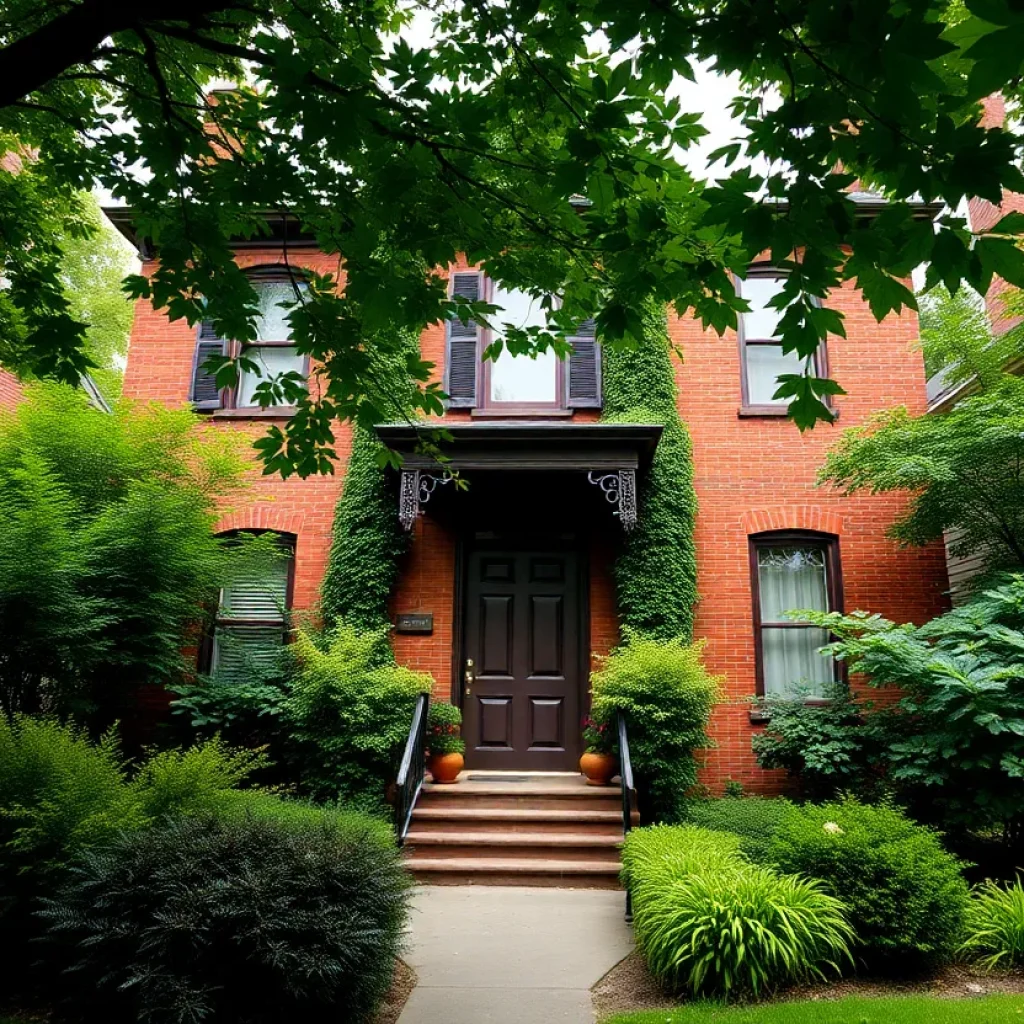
400, 157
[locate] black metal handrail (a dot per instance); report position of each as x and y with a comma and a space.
628, 795
412, 768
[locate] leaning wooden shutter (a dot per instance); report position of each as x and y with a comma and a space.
461, 359
585, 368
205, 393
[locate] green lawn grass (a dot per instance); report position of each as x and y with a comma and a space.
909, 1010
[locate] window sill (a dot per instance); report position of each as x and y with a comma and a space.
521, 413
274, 412
753, 412
760, 716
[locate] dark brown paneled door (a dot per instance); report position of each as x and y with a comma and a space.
522, 711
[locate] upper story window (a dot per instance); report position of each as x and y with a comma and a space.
793, 572
272, 352
516, 384
251, 622
762, 358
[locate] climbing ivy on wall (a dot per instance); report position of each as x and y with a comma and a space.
656, 571
367, 542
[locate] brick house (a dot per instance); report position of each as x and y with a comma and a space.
514, 574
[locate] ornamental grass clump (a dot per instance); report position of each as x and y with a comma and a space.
995, 925
708, 921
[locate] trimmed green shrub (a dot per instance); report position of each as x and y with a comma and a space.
348, 713
995, 924
656, 571
754, 819
444, 721
708, 921
906, 894
254, 918
666, 696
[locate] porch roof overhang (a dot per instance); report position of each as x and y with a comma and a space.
609, 453
529, 445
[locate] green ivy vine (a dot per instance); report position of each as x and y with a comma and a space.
656, 570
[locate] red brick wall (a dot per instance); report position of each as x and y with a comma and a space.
757, 474
10, 390
751, 475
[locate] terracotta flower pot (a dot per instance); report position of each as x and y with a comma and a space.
446, 767
598, 768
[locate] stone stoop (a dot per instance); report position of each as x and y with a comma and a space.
543, 829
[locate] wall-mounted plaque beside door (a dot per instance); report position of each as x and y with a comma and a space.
415, 622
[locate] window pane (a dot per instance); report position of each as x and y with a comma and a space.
271, 362
271, 324
764, 364
242, 652
791, 578
263, 599
792, 665
522, 378
760, 322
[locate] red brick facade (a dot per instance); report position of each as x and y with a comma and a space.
752, 474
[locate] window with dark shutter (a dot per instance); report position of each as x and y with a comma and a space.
462, 355
205, 394
585, 368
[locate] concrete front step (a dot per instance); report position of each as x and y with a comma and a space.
594, 848
502, 820
515, 871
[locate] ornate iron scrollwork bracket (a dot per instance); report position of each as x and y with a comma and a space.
619, 489
416, 489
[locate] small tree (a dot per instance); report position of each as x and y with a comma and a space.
952, 744
107, 554
964, 470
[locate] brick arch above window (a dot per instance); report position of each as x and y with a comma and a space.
259, 517
808, 518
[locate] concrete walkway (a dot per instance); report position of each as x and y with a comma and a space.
509, 955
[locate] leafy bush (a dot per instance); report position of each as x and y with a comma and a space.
666, 696
906, 895
348, 713
444, 721
952, 743
251, 918
63, 794
825, 747
707, 920
754, 819
995, 924
108, 552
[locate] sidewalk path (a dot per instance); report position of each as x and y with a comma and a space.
510, 955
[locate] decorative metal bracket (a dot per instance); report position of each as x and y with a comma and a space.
619, 489
416, 489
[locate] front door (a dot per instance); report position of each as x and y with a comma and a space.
521, 700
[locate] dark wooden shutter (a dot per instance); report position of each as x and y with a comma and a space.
205, 394
585, 368
462, 358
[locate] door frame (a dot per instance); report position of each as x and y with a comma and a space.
582, 547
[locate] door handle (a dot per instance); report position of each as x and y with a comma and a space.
468, 677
